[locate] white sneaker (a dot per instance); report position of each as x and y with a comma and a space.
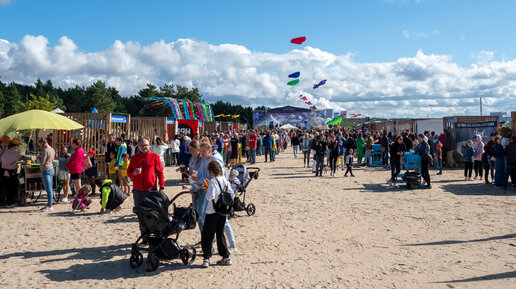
64, 200
73, 211
232, 250
466, 179
225, 261
389, 182
47, 209
206, 263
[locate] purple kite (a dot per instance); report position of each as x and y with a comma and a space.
322, 82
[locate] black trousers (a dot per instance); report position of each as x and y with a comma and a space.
333, 163
425, 162
487, 167
9, 187
478, 168
468, 169
395, 167
306, 158
214, 224
349, 169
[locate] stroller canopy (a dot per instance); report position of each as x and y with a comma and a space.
156, 203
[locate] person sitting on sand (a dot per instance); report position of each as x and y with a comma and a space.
112, 196
82, 201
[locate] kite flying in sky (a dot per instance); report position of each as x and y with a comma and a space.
294, 75
293, 82
298, 40
322, 82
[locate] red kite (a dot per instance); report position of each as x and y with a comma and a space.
298, 40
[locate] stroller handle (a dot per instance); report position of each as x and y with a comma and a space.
180, 194
253, 168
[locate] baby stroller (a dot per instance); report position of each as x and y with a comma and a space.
153, 216
245, 175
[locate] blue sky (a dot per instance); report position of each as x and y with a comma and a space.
374, 30
379, 56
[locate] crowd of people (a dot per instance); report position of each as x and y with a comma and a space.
137, 167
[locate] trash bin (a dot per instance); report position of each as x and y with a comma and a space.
412, 180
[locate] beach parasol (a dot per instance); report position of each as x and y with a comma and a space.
335, 121
37, 119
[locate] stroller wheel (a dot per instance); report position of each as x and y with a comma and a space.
136, 259
152, 262
231, 213
256, 176
251, 209
188, 255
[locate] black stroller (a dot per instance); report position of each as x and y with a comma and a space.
153, 217
245, 175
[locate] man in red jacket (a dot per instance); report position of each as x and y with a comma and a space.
145, 167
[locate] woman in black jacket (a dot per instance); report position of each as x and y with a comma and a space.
397, 150
333, 146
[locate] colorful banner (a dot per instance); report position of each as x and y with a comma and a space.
188, 127
297, 119
259, 118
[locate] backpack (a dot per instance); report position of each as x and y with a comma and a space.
225, 201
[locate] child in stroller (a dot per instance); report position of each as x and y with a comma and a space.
245, 175
153, 216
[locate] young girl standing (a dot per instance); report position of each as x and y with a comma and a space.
64, 174
214, 222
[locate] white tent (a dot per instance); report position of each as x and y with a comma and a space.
57, 110
288, 126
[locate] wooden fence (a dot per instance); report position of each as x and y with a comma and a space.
404, 125
150, 127
210, 126
513, 123
97, 127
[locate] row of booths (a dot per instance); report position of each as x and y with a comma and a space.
458, 129
97, 127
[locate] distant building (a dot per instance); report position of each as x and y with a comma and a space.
503, 116
344, 114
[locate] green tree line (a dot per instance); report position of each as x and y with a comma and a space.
15, 98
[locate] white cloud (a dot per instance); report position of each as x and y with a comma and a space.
418, 34
6, 2
405, 87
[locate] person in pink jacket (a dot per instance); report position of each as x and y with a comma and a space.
75, 164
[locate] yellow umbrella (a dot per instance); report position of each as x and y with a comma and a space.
36, 119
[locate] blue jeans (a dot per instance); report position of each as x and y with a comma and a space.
499, 172
46, 177
252, 155
295, 148
319, 163
385, 158
268, 152
199, 204
509, 169
228, 231
273, 155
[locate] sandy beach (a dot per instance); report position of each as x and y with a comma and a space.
327, 232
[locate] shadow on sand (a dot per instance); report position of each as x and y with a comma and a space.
505, 275
478, 189
449, 242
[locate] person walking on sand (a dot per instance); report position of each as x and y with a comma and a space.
333, 146
423, 150
397, 150
46, 158
478, 146
305, 147
145, 170
467, 155
76, 164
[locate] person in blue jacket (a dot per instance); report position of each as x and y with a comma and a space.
267, 145
184, 158
467, 155
423, 150
499, 155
